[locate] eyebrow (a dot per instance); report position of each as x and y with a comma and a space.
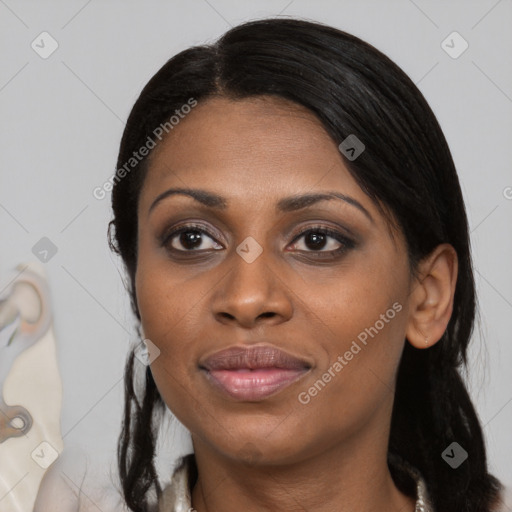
287, 204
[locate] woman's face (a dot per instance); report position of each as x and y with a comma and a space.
337, 303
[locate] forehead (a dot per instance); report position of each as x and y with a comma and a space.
254, 147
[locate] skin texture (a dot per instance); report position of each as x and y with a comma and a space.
279, 453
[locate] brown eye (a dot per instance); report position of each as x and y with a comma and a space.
190, 238
323, 240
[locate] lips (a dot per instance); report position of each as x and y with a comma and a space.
256, 357
253, 373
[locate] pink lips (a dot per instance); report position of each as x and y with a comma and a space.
253, 373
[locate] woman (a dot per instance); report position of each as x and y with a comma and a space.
297, 248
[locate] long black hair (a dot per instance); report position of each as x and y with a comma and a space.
406, 167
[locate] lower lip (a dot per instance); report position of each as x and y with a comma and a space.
253, 384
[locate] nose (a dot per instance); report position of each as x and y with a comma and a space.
251, 293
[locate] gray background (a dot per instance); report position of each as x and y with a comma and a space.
62, 119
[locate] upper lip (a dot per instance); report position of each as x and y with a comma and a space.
260, 356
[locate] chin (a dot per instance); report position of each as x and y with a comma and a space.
259, 450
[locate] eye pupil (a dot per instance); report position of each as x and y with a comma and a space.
317, 240
190, 239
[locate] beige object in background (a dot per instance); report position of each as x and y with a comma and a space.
31, 385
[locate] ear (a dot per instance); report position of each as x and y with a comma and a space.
431, 301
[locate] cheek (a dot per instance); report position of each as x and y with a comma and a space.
167, 308
171, 318
354, 380
355, 298
161, 298
361, 317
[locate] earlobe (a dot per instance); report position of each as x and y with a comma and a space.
431, 302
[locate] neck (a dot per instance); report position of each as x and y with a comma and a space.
353, 476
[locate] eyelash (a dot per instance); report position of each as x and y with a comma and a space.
346, 243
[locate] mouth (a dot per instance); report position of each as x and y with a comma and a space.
253, 373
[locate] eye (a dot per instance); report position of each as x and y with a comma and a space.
190, 238
323, 240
